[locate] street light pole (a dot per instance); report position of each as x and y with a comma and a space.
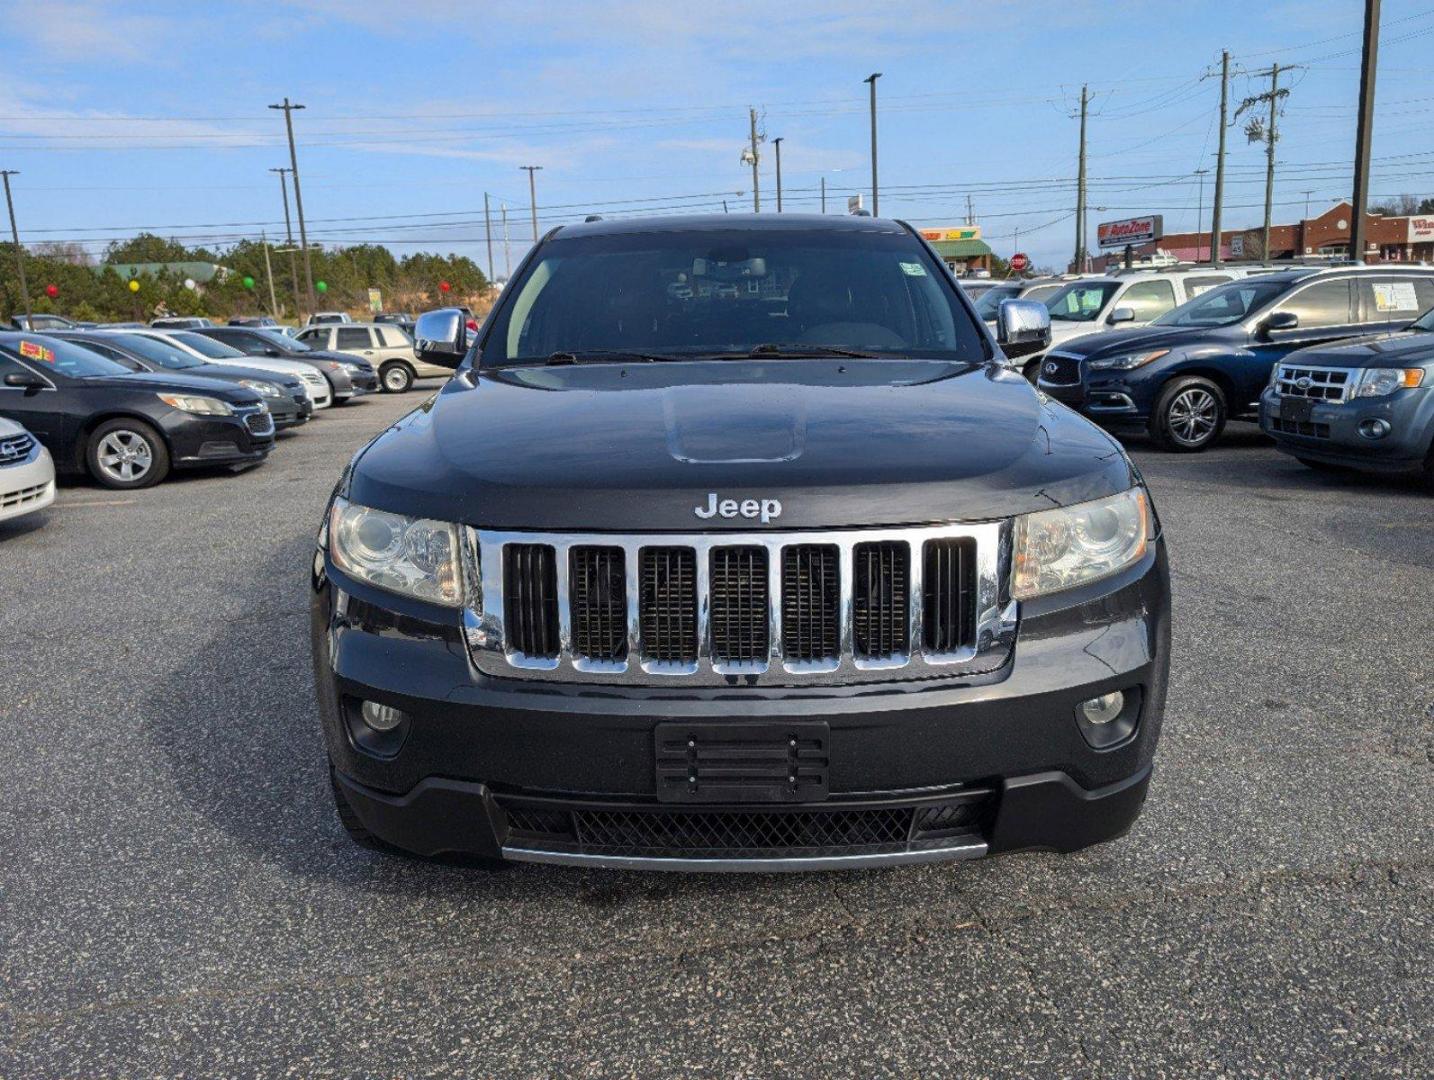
777, 143
870, 80
288, 109
1365, 129
532, 195
19, 251
288, 234
488, 229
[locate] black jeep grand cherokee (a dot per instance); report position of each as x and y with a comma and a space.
734, 546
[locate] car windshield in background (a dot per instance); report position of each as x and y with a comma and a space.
208, 346
280, 341
1424, 322
989, 301
1081, 301
156, 351
696, 293
65, 357
1224, 304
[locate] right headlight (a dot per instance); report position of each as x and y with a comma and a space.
413, 556
1380, 382
259, 386
1060, 549
1125, 362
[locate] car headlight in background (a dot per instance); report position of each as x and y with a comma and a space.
1060, 549
196, 404
1125, 361
267, 389
413, 556
1379, 381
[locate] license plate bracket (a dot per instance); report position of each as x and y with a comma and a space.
742, 762
1297, 410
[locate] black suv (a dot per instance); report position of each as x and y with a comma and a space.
1205, 362
734, 545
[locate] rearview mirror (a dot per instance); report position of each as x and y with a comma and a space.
1022, 327
25, 380
1281, 320
1120, 315
441, 337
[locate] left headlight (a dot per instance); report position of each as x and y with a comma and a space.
413, 556
1379, 381
196, 404
268, 389
1125, 362
1060, 549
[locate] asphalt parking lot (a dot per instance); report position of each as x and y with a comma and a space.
178, 898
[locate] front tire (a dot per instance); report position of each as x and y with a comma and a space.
396, 377
1189, 415
126, 454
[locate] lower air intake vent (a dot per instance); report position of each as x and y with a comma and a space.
530, 599
881, 601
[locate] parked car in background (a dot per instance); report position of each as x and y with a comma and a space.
1366, 404
44, 322
179, 322
27, 472
1208, 361
320, 318
349, 376
216, 352
254, 320
387, 347
402, 319
283, 394
126, 430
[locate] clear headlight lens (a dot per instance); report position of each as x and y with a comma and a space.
1124, 362
413, 556
196, 404
1376, 381
1060, 549
267, 389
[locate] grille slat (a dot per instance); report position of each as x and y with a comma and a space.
811, 602
1320, 383
598, 584
16, 448
948, 595
880, 613
530, 599
738, 589
668, 604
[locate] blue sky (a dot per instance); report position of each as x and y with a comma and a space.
134, 114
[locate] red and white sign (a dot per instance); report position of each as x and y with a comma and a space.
1136, 230
1019, 262
1421, 230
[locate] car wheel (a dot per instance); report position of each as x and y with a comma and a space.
1189, 415
126, 453
396, 377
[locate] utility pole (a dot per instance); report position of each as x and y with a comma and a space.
532, 170
824, 194
753, 159
299, 202
19, 251
269, 276
970, 212
1079, 261
870, 80
1364, 130
1258, 129
777, 145
488, 229
507, 251
1216, 209
288, 235
1199, 210
1307, 195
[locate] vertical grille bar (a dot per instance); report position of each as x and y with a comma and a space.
598, 591
530, 599
668, 604
739, 605
880, 601
811, 599
948, 595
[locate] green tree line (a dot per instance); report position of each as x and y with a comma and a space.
410, 283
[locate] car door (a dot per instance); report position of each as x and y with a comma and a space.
1385, 302
41, 412
1325, 309
354, 339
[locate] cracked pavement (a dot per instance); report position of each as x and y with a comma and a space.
177, 897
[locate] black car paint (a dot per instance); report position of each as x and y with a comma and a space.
633, 446
353, 376
63, 414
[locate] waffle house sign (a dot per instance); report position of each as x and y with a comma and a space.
959, 232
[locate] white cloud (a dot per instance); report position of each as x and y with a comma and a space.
88, 30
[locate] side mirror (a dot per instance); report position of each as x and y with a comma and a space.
269, 350
1281, 320
441, 337
1120, 315
25, 380
1022, 327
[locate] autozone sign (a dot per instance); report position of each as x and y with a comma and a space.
1136, 230
1421, 229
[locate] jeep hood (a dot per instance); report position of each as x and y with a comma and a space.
638, 447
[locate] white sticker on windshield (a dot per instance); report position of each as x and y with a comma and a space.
913, 269
1395, 296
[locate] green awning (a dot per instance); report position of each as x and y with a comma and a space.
961, 249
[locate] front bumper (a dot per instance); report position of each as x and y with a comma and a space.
503, 768
198, 441
28, 485
1332, 434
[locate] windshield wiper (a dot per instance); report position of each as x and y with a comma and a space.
605, 356
758, 352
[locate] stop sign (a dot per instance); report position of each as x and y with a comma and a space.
1019, 261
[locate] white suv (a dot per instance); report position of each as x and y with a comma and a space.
384, 345
27, 475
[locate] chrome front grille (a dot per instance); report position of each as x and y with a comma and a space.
760, 608
1320, 383
1060, 369
16, 448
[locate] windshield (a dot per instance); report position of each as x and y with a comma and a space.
1424, 322
278, 340
64, 357
207, 346
156, 351
989, 301
692, 293
1224, 304
1081, 301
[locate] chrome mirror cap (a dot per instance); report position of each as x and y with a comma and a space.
441, 337
1022, 327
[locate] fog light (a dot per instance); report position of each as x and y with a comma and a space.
382, 717
1103, 709
1374, 429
